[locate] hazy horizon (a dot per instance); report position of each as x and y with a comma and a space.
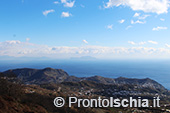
154, 69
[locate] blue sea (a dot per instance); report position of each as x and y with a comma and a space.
158, 70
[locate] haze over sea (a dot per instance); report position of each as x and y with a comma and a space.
158, 70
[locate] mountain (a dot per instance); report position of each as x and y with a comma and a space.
39, 76
50, 75
147, 82
100, 79
33, 90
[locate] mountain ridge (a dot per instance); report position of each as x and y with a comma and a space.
50, 75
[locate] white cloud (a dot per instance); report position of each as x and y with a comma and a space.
131, 42
152, 42
134, 43
162, 19
159, 28
154, 6
167, 45
138, 22
121, 21
66, 14
128, 27
139, 16
68, 3
143, 17
85, 41
27, 39
26, 49
136, 15
56, 2
110, 27
142, 43
46, 12
13, 42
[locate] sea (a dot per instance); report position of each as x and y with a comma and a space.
158, 70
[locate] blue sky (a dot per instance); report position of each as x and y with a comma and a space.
70, 28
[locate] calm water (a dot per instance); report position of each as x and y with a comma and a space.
156, 70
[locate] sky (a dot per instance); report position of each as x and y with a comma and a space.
104, 29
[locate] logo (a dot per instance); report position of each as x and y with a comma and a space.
59, 102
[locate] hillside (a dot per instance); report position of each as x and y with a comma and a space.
39, 76
33, 90
50, 75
